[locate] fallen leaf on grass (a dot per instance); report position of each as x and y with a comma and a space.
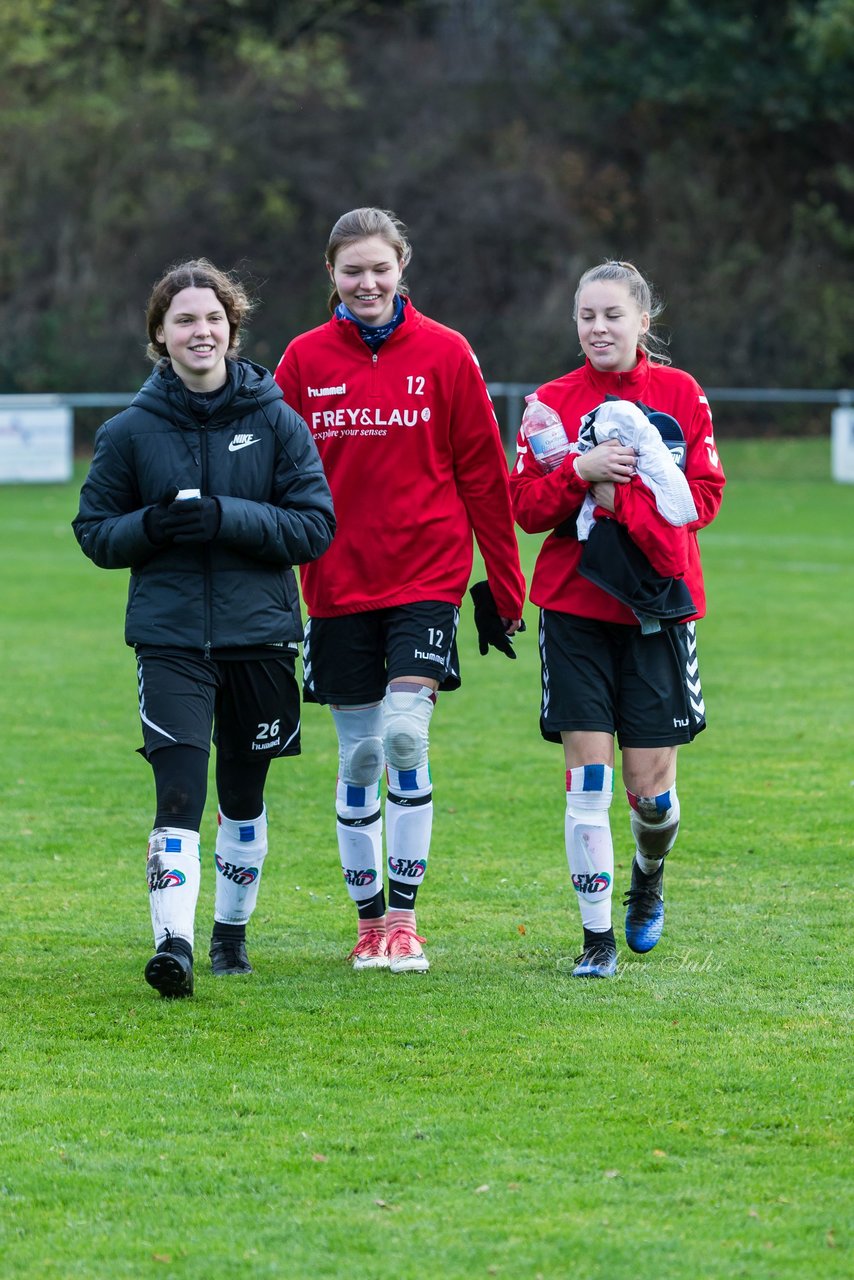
319, 1158
752, 1213
522, 929
162, 1257
612, 1173
384, 1204
830, 1240
662, 1155
480, 1190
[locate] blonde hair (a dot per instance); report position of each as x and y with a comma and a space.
198, 273
626, 273
361, 224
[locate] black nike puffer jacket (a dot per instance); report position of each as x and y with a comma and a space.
257, 457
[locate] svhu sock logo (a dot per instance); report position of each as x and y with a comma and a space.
413, 868
241, 876
359, 876
598, 882
158, 878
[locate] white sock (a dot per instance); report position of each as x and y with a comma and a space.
174, 873
241, 847
409, 823
589, 847
360, 839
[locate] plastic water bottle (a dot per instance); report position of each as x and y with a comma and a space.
543, 432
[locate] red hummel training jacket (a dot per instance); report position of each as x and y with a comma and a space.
412, 453
542, 501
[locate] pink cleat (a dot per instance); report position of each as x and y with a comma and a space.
404, 948
371, 950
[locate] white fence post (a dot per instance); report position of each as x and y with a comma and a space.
842, 445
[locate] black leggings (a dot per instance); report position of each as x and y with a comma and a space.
181, 786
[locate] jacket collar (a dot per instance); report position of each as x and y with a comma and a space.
249, 386
626, 386
410, 321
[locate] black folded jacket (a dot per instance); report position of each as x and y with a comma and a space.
616, 564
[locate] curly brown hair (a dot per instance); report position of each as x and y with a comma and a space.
198, 273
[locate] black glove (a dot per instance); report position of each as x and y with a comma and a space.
490, 627
155, 518
193, 520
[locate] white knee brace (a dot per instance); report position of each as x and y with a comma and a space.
589, 847
654, 822
406, 726
360, 745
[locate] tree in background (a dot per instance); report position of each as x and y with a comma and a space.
521, 140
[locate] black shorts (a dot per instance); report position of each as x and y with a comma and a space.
251, 706
607, 677
350, 659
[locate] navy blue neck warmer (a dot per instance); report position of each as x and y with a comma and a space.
374, 335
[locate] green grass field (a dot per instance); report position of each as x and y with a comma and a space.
690, 1119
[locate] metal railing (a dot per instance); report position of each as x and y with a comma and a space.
514, 394
511, 393
506, 390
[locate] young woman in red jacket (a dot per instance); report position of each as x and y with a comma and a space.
410, 445
609, 665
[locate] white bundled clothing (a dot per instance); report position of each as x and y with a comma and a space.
657, 468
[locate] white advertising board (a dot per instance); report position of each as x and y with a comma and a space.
36, 441
842, 445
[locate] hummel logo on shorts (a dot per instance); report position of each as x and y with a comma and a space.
242, 441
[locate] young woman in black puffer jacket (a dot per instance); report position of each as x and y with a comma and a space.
209, 489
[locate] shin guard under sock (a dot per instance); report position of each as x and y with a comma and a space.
174, 873
589, 847
241, 847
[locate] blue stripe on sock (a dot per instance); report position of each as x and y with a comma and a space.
356, 797
247, 833
594, 777
408, 779
173, 844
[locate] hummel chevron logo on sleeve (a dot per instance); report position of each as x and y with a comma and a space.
242, 442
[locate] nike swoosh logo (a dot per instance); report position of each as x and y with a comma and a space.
242, 444
406, 895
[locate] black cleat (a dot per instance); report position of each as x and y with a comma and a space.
170, 970
599, 957
228, 955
